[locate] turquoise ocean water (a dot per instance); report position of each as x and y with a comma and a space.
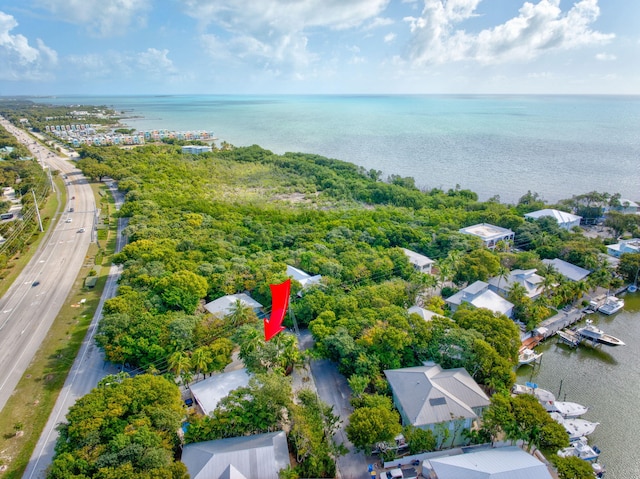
494, 145
557, 146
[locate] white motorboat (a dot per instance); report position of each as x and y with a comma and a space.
611, 305
598, 469
567, 409
528, 356
576, 428
581, 449
596, 335
548, 401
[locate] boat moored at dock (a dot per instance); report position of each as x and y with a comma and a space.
611, 305
548, 400
596, 335
528, 356
581, 449
576, 428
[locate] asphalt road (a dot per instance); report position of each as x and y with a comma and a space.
87, 370
31, 304
333, 389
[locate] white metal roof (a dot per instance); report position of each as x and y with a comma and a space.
209, 392
562, 217
224, 305
255, 457
499, 463
305, 279
417, 258
568, 270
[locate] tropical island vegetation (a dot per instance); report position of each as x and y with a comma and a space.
229, 221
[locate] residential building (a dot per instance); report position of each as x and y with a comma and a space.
568, 270
196, 149
423, 313
420, 262
527, 278
208, 393
489, 234
565, 220
495, 463
624, 246
260, 456
224, 306
479, 295
303, 278
430, 397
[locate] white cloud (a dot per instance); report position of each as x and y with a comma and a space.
389, 37
538, 28
102, 18
605, 57
274, 34
151, 64
379, 22
20, 60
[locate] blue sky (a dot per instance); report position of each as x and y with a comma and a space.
109, 47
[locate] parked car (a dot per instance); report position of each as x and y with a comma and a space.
81, 230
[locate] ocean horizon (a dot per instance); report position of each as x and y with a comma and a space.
496, 145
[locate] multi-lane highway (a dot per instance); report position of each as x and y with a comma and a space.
31, 304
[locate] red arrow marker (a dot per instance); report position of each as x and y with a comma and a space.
279, 302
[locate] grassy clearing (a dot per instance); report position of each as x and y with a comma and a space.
28, 409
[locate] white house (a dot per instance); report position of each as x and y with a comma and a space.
419, 261
568, 270
224, 306
527, 278
565, 220
209, 392
624, 246
303, 278
495, 463
479, 295
490, 235
423, 313
428, 395
260, 456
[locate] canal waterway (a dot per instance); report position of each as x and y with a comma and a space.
607, 379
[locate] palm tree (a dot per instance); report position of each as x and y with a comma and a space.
179, 363
200, 360
503, 273
240, 313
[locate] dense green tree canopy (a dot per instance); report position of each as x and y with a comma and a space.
123, 428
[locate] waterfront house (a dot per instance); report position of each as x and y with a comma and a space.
260, 456
626, 206
509, 462
565, 220
433, 398
568, 270
224, 306
208, 393
527, 278
479, 295
420, 262
490, 235
624, 246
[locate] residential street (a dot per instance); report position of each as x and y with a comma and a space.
333, 389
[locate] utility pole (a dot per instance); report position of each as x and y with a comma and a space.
35, 200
